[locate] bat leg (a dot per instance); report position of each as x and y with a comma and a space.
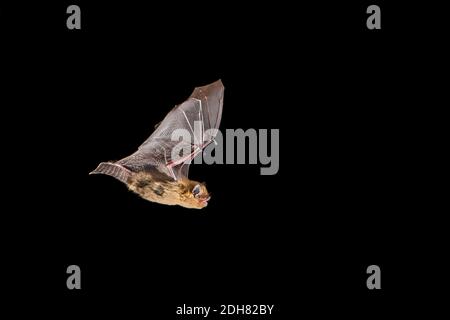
170, 168
189, 157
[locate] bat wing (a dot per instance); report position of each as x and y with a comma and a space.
199, 117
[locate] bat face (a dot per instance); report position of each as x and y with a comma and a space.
196, 197
151, 171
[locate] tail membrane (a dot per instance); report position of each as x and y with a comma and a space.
114, 170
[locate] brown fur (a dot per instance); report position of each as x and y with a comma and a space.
169, 192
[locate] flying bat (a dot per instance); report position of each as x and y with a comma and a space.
157, 171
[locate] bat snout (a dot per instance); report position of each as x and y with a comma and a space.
204, 201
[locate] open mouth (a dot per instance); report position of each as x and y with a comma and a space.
205, 200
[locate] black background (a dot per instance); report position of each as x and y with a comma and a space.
343, 199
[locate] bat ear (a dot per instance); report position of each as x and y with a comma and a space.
113, 170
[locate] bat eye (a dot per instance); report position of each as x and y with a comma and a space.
196, 190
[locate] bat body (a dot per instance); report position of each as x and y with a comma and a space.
157, 171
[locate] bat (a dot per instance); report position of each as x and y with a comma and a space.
157, 171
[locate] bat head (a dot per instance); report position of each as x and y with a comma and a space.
197, 195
